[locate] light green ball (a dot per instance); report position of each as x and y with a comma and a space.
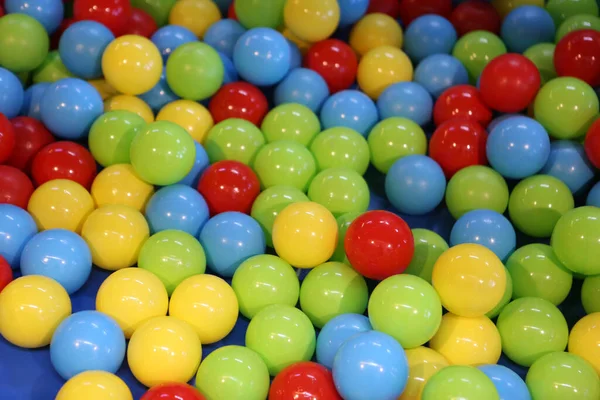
590, 294
111, 135
291, 121
260, 13
340, 190
577, 22
429, 246
542, 55
24, 43
233, 139
341, 147
343, 222
476, 49
285, 162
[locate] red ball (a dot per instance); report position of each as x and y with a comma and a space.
389, 7
55, 38
592, 143
412, 9
229, 186
1, 11
140, 23
379, 244
7, 139
475, 15
64, 160
458, 143
461, 101
335, 61
15, 187
173, 391
239, 100
6, 275
304, 381
578, 55
31, 135
114, 14
231, 12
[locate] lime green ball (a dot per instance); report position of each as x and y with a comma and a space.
233, 372
282, 335
233, 139
341, 147
264, 280
111, 136
394, 138
476, 187
158, 9
566, 107
195, 71
577, 22
343, 222
260, 13
459, 382
542, 55
332, 289
590, 294
508, 292
476, 49
340, 190
24, 43
162, 153
560, 10
291, 121
270, 203
429, 246
285, 162
51, 70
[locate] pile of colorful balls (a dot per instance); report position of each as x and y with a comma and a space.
299, 199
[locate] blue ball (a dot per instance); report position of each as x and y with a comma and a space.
49, 13
406, 99
81, 47
69, 107
439, 72
499, 119
262, 56
160, 95
569, 163
223, 35
336, 332
351, 109
303, 86
170, 37
11, 94
428, 35
370, 365
593, 197
518, 147
201, 162
87, 341
526, 26
509, 385
229, 239
17, 227
230, 73
33, 99
487, 228
58, 254
351, 11
295, 55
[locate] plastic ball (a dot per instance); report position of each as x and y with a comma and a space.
340, 190
140, 23
423, 363
15, 187
239, 100
343, 222
341, 148
259, 13
170, 37
542, 55
563, 9
406, 99
47, 12
569, 163
508, 384
64, 160
592, 144
350, 109
119, 184
427, 35
8, 139
312, 20
304, 380
159, 10
30, 136
196, 15
17, 227
583, 340
526, 26
381, 67
11, 94
575, 23
429, 246
577, 54
30, 50
130, 103
291, 122
51, 70
475, 15
460, 380
302, 86
111, 135
114, 14
335, 61
94, 385
589, 294
173, 391
190, 115
438, 72
81, 47
335, 332
461, 101
201, 162
375, 30
476, 49
412, 9
508, 292
32, 100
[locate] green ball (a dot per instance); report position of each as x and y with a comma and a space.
576, 239
590, 294
24, 43
111, 136
343, 222
195, 71
233, 372
459, 382
560, 10
159, 10
270, 203
542, 55
233, 139
476, 49
264, 280
51, 70
162, 153
577, 22
173, 256
530, 328
285, 162
429, 246
291, 121
340, 190
332, 289
260, 13
394, 138
282, 335
407, 308
566, 107
476, 187
341, 147
508, 292
537, 203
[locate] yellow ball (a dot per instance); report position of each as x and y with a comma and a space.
94, 385
131, 296
31, 308
130, 103
106, 91
208, 304
132, 64
115, 235
311, 20
382, 67
506, 6
375, 30
119, 184
196, 15
164, 349
470, 280
422, 364
303, 45
60, 204
467, 341
305, 234
584, 340
191, 116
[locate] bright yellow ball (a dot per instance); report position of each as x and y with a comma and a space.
311, 20
60, 204
375, 30
196, 15
191, 116
94, 385
305, 234
382, 67
106, 91
119, 184
470, 280
115, 235
31, 308
132, 64
130, 103
422, 364
131, 296
584, 340
164, 349
208, 304
506, 6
